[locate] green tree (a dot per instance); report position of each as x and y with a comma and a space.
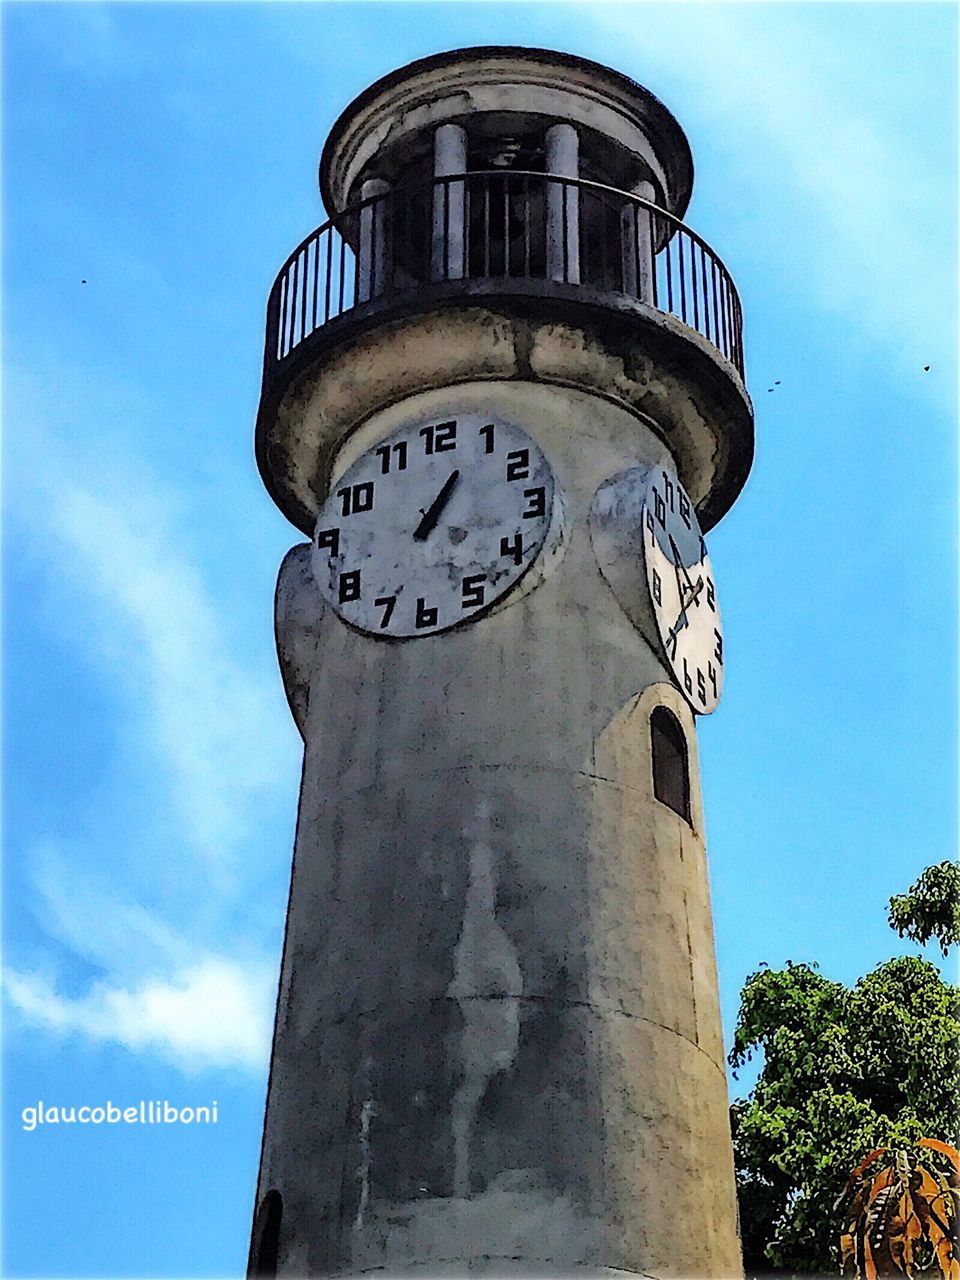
931, 907
845, 1070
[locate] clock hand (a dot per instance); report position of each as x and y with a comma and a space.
432, 513
679, 562
681, 621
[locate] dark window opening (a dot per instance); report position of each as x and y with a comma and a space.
671, 768
266, 1236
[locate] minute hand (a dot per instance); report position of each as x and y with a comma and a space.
678, 561
432, 513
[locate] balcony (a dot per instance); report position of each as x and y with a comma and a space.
494, 232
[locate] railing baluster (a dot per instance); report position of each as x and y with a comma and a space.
566, 246
486, 226
699, 293
526, 225
693, 285
506, 224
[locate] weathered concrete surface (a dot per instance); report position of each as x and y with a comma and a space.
639, 358
498, 1041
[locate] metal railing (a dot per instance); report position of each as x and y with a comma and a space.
503, 225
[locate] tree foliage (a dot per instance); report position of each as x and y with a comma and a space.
846, 1070
931, 907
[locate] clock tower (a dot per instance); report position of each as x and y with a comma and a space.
503, 401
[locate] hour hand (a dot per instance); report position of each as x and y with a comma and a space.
432, 513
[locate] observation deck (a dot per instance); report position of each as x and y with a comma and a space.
528, 199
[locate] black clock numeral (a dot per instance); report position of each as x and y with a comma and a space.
718, 652
386, 603
672, 645
667, 490
348, 587
538, 503
657, 588
329, 540
701, 687
711, 595
659, 509
425, 617
384, 452
684, 508
487, 433
473, 591
687, 682
356, 498
712, 677
514, 548
518, 464
439, 437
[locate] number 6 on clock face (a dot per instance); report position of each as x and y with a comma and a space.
433, 525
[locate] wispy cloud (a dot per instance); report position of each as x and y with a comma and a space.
215, 1013
835, 197
203, 732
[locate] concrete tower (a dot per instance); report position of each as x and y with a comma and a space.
503, 395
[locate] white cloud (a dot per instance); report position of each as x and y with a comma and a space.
836, 198
213, 724
201, 756
216, 1013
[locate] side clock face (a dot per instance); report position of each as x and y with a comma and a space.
433, 525
681, 583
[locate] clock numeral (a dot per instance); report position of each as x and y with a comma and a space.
684, 508
711, 595
718, 652
703, 548
440, 437
538, 503
386, 603
383, 453
672, 645
349, 586
701, 687
687, 682
667, 490
657, 588
329, 539
356, 498
487, 433
659, 509
518, 464
473, 591
425, 617
514, 548
712, 677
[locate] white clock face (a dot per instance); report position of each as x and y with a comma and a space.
433, 525
683, 591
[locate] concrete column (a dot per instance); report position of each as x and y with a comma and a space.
372, 245
498, 1047
449, 222
563, 204
637, 244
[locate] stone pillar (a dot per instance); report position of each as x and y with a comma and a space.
563, 204
449, 222
372, 246
637, 236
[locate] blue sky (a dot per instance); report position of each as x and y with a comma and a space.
166, 155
